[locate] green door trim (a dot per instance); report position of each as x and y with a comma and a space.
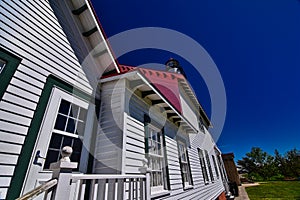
23, 162
12, 63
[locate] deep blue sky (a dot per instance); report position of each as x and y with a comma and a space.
256, 47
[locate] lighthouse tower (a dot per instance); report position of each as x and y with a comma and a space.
172, 65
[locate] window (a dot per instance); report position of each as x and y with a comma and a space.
70, 118
215, 165
184, 165
209, 166
2, 65
156, 158
69, 125
203, 166
59, 141
201, 124
221, 168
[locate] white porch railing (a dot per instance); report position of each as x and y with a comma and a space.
110, 187
66, 185
96, 186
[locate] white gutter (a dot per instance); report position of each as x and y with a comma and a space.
112, 78
102, 37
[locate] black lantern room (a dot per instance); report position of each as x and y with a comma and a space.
172, 65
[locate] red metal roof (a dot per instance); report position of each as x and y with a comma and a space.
165, 82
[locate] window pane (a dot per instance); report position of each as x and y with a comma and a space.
74, 111
77, 145
67, 141
64, 107
182, 153
2, 65
52, 156
55, 141
82, 114
80, 128
153, 136
159, 149
71, 126
155, 147
60, 122
150, 148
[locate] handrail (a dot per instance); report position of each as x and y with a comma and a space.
76, 177
38, 190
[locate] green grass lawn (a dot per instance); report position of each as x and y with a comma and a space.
275, 190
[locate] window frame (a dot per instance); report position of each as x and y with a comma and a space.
69, 116
215, 166
201, 124
161, 189
203, 166
189, 183
209, 166
74, 137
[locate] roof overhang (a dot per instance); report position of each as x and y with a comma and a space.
148, 90
96, 39
191, 94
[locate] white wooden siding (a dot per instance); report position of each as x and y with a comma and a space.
188, 113
134, 153
109, 141
30, 30
134, 145
200, 190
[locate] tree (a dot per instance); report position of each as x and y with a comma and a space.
259, 165
289, 164
292, 159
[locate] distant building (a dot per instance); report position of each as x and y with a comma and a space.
231, 168
231, 171
53, 95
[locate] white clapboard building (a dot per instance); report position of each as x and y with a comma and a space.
136, 133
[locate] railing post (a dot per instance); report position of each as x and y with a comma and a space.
62, 171
146, 170
148, 191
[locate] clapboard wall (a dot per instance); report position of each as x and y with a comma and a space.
135, 152
31, 31
200, 189
109, 141
134, 141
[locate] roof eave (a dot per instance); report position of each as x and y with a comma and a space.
102, 35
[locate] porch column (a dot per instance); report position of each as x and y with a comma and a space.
62, 171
